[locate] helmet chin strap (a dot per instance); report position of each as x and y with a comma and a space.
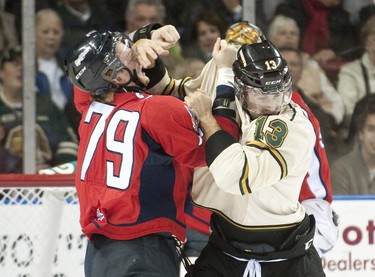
133, 78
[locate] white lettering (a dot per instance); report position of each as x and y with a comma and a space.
81, 56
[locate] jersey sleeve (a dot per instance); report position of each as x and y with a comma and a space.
175, 127
317, 182
207, 81
81, 99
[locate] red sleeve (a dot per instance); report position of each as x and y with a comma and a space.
229, 126
174, 126
317, 182
81, 99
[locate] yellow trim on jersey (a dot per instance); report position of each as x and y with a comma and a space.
276, 154
294, 112
168, 90
249, 228
181, 88
244, 180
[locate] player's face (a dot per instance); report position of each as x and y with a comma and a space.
259, 104
129, 59
128, 66
367, 137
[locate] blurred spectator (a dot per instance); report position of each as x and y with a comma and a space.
365, 13
56, 142
8, 33
14, 7
117, 8
295, 64
51, 78
191, 67
327, 33
354, 173
284, 32
357, 78
141, 12
354, 8
265, 12
9, 163
206, 28
81, 16
183, 13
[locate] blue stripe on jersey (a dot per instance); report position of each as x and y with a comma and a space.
157, 184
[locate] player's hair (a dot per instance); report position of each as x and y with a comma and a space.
106, 97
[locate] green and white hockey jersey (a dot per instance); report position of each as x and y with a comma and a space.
258, 180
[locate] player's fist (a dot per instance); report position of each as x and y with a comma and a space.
166, 36
224, 54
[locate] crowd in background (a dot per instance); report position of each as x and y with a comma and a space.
333, 65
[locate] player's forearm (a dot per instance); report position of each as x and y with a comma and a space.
209, 125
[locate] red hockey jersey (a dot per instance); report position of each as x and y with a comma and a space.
317, 182
128, 176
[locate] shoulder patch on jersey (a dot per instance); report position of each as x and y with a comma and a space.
194, 118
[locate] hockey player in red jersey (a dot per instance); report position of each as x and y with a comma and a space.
132, 148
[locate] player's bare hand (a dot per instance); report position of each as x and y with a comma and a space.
147, 52
166, 36
224, 54
200, 102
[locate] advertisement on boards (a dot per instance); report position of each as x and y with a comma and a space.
354, 253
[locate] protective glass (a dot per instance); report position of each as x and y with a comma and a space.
259, 102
